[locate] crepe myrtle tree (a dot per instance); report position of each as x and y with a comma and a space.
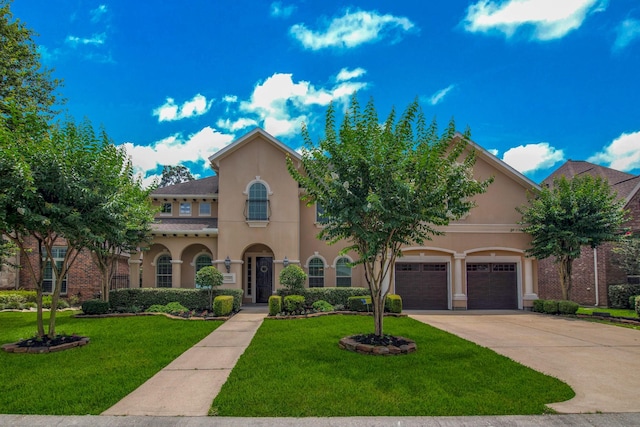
568, 215
385, 185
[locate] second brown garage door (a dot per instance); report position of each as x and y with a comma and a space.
422, 286
492, 286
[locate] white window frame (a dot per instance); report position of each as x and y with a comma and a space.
187, 208
200, 205
163, 206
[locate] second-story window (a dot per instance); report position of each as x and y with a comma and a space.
205, 208
185, 209
257, 203
165, 209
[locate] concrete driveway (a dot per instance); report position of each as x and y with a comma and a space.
600, 362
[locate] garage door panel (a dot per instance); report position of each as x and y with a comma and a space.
422, 286
492, 286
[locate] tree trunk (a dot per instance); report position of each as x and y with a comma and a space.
564, 268
378, 312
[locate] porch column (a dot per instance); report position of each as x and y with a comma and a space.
529, 295
459, 297
134, 272
176, 273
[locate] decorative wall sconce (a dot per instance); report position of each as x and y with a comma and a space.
227, 263
285, 262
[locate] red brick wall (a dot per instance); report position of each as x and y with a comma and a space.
634, 207
83, 279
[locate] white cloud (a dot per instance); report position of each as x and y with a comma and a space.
280, 11
494, 151
627, 32
175, 150
230, 98
346, 74
351, 30
280, 105
532, 157
171, 111
98, 12
439, 95
622, 154
550, 19
95, 40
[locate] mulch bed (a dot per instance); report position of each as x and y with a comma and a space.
371, 344
46, 345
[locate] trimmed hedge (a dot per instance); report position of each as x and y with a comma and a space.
393, 304
636, 305
294, 304
222, 305
192, 299
275, 305
322, 305
619, 295
549, 306
95, 306
334, 296
359, 303
17, 296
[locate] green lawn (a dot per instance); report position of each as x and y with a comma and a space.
123, 353
294, 368
616, 312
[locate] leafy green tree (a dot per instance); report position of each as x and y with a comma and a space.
207, 278
27, 90
172, 175
568, 215
385, 185
69, 198
293, 277
628, 254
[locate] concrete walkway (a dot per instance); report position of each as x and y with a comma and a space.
188, 385
600, 362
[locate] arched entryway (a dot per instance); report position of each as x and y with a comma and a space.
258, 274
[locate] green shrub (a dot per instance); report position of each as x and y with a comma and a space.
393, 304
538, 306
632, 302
2, 306
568, 307
292, 277
619, 295
192, 299
157, 308
222, 305
95, 306
322, 305
550, 306
209, 278
17, 295
359, 303
294, 304
13, 305
636, 305
334, 296
275, 305
176, 308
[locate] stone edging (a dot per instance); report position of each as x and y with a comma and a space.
15, 348
348, 343
331, 313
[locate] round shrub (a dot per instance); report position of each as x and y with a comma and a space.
568, 307
176, 308
95, 306
550, 306
157, 308
293, 277
322, 305
294, 304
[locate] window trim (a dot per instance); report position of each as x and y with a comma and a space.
65, 281
350, 276
157, 266
308, 267
200, 213
163, 205
185, 204
257, 222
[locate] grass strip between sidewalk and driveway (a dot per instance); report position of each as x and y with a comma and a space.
123, 353
294, 368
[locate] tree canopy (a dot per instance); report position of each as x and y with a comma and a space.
172, 175
386, 185
568, 215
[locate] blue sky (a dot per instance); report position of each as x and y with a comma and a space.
537, 81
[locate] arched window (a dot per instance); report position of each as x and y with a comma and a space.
343, 272
257, 203
164, 271
316, 273
202, 261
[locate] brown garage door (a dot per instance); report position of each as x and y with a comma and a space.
422, 286
492, 286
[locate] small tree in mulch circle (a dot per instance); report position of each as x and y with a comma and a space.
208, 278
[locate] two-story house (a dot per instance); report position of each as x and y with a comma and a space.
249, 222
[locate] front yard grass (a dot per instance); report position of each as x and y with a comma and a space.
123, 353
615, 312
294, 368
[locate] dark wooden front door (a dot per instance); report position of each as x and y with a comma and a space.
264, 278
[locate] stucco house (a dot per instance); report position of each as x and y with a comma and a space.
595, 270
249, 222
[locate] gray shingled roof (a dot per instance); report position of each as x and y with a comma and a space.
203, 186
621, 182
184, 225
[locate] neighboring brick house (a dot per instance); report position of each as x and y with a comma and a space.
595, 270
249, 222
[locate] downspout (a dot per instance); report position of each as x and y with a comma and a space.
595, 272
